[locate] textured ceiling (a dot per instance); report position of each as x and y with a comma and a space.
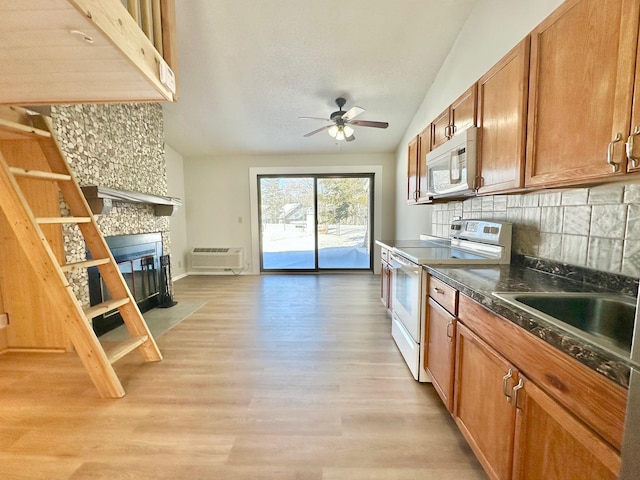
249, 68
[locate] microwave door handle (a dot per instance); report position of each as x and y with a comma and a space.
454, 166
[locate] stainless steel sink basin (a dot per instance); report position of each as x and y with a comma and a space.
606, 319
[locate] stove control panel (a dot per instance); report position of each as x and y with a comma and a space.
484, 231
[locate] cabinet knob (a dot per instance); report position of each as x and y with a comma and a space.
634, 160
438, 290
614, 165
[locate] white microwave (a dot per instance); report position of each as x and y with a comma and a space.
451, 167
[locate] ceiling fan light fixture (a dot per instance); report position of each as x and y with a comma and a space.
340, 135
348, 131
333, 131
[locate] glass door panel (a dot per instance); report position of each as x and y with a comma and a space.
344, 237
287, 223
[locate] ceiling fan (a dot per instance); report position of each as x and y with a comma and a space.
340, 127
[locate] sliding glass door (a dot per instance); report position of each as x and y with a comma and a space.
315, 222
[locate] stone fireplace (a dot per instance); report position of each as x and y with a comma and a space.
119, 146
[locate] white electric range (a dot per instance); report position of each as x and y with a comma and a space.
471, 242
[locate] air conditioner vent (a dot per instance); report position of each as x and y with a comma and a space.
217, 258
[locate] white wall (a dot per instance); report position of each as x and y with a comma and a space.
218, 194
493, 28
178, 222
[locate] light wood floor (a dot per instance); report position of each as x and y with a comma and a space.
276, 377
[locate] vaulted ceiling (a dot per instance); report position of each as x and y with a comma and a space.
249, 68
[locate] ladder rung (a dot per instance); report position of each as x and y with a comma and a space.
104, 307
118, 351
84, 264
40, 175
23, 130
49, 220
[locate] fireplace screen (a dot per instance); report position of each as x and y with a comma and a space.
138, 258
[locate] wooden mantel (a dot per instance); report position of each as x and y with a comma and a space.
100, 200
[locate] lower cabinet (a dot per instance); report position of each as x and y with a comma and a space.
516, 429
481, 408
439, 360
550, 443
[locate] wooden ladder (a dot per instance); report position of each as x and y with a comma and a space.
17, 123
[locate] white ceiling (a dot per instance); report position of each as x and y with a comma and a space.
249, 68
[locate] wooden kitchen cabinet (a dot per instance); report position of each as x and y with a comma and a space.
481, 408
417, 186
550, 443
633, 142
439, 360
502, 122
581, 85
459, 116
518, 431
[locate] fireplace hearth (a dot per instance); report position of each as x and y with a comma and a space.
138, 257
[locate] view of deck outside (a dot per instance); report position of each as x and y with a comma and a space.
288, 223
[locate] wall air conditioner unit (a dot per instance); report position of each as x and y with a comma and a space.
217, 258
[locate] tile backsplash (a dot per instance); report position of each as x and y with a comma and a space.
596, 227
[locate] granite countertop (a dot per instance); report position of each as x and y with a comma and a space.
478, 282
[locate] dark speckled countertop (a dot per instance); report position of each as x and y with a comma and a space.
526, 274
532, 275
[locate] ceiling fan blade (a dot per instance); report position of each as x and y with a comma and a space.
368, 123
350, 138
353, 112
326, 127
314, 118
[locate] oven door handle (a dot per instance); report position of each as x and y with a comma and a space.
402, 261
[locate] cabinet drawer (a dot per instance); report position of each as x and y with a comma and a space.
593, 398
384, 254
444, 294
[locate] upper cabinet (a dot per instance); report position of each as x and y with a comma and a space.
459, 116
87, 51
502, 122
417, 167
583, 58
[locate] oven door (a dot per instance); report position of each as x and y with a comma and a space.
405, 294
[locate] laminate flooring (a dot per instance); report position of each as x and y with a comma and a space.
278, 377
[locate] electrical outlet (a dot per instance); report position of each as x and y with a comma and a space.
4, 320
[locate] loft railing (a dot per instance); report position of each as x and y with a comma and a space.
156, 18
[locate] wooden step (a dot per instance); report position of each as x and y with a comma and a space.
121, 349
50, 220
84, 264
104, 307
17, 131
40, 175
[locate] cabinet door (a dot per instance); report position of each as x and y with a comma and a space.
633, 142
464, 111
581, 84
412, 171
424, 147
502, 121
440, 351
551, 443
440, 129
481, 410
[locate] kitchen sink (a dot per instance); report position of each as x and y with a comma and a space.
607, 319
